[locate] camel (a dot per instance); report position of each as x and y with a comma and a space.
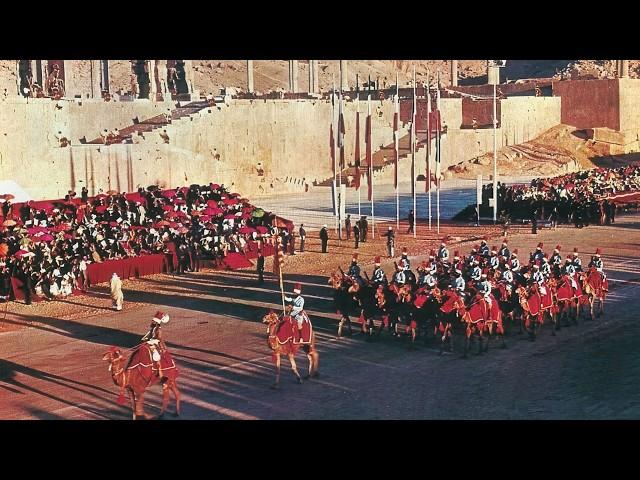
281, 336
140, 373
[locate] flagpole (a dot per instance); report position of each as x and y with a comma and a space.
428, 93
358, 146
335, 146
438, 148
373, 216
340, 126
413, 154
396, 121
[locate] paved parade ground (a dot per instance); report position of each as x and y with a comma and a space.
51, 367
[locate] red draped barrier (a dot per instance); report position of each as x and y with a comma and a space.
127, 268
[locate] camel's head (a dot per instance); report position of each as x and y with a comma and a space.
270, 318
113, 354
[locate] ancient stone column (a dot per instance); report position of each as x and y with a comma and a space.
454, 73
96, 76
188, 74
311, 73
153, 90
293, 76
624, 68
105, 82
250, 76
345, 75
316, 77
161, 80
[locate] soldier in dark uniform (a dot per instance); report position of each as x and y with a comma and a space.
260, 267
347, 226
303, 236
324, 238
356, 234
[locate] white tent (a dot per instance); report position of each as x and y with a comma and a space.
9, 186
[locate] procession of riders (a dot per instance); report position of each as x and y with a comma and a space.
474, 294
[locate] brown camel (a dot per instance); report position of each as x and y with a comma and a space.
281, 334
140, 373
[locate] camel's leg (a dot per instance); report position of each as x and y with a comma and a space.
140, 406
132, 397
340, 326
165, 398
294, 367
277, 382
176, 395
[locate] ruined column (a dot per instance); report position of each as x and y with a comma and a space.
18, 77
161, 80
105, 81
345, 75
96, 76
293, 76
250, 76
311, 74
624, 68
454, 73
188, 75
151, 70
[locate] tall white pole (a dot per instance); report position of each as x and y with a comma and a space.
495, 156
397, 150
335, 148
438, 157
373, 216
340, 200
359, 176
413, 153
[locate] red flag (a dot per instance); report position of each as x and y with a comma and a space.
356, 180
367, 139
341, 133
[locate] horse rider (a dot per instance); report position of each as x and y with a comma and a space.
494, 261
443, 253
399, 277
154, 339
297, 307
545, 268
577, 263
504, 251
459, 284
354, 270
378, 276
514, 262
404, 260
476, 273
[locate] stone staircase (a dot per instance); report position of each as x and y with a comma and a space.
151, 124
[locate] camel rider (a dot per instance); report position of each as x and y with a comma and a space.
457, 261
154, 339
494, 261
515, 263
570, 271
504, 251
404, 260
476, 273
596, 262
433, 265
484, 288
297, 306
354, 270
443, 253
427, 278
577, 263
378, 275
538, 277
399, 277
545, 268
458, 283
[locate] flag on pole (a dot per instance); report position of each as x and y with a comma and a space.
341, 133
356, 180
413, 137
427, 184
332, 144
367, 140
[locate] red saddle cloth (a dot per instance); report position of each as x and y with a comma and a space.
143, 360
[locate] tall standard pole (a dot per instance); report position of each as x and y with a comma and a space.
428, 93
397, 150
495, 156
340, 199
335, 149
413, 153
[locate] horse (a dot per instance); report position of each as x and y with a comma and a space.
140, 373
283, 339
343, 299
